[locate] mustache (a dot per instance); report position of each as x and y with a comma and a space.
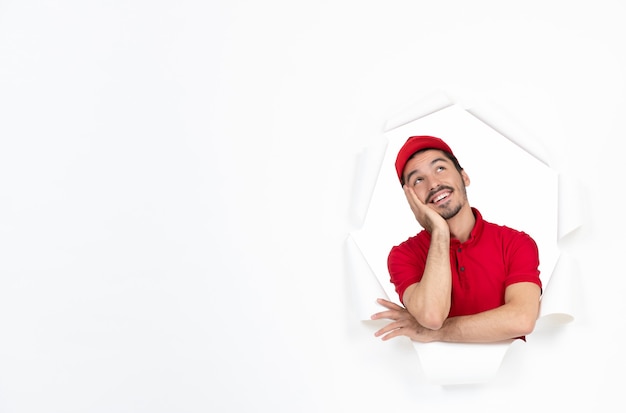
432, 193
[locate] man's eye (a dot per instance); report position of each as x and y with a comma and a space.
417, 181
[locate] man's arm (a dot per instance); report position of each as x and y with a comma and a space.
516, 318
429, 300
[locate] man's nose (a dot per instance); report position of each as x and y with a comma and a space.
432, 182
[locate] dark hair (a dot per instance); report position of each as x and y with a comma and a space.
448, 155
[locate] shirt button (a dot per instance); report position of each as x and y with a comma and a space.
462, 268
459, 250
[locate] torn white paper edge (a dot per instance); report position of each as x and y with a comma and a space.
556, 305
365, 286
557, 302
460, 363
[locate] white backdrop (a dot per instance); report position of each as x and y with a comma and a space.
176, 181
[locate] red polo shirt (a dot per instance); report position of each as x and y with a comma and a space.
493, 258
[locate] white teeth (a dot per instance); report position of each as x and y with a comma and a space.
440, 197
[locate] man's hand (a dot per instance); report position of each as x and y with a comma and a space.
404, 324
427, 217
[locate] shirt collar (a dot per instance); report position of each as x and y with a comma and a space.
479, 224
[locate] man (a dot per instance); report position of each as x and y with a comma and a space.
461, 279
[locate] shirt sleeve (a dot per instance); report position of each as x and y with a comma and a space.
406, 263
522, 260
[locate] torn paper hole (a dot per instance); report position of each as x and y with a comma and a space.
496, 166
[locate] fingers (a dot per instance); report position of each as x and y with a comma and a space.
403, 324
410, 193
420, 210
394, 333
388, 328
395, 311
391, 315
395, 329
414, 201
389, 304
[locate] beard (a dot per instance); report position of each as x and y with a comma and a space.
448, 211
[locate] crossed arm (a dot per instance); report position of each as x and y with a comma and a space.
516, 318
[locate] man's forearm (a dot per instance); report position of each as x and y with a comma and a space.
499, 324
429, 300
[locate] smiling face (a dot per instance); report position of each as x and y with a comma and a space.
437, 182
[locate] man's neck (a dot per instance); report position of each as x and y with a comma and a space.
461, 224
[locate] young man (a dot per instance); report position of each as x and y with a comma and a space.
461, 279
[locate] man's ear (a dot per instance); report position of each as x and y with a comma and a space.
465, 177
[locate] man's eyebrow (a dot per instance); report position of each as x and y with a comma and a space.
434, 161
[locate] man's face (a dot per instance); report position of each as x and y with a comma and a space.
436, 182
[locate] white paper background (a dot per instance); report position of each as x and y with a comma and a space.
176, 184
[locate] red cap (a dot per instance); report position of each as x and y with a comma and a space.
417, 143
